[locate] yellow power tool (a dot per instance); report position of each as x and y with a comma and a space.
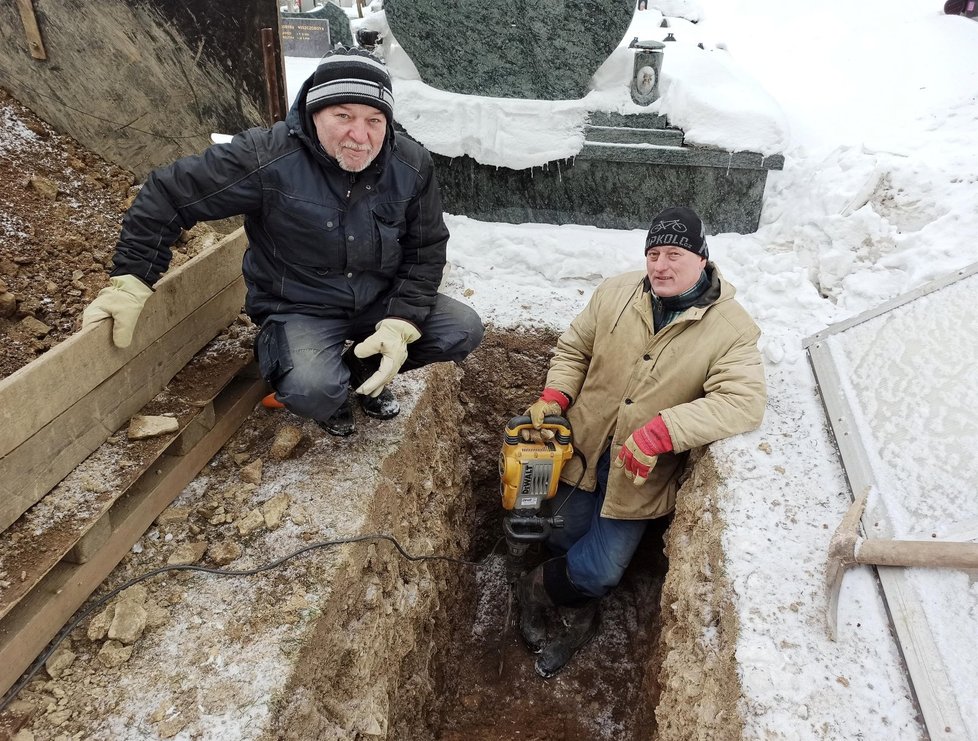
528, 476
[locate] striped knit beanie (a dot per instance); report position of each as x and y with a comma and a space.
351, 76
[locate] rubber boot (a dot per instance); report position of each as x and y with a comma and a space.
578, 626
534, 604
341, 423
383, 406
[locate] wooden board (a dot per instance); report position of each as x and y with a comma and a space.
107, 385
29, 549
37, 393
37, 618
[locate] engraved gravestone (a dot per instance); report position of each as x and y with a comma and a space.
314, 33
538, 49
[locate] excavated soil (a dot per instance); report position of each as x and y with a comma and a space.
61, 208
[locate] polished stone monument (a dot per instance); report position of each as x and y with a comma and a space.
630, 167
538, 49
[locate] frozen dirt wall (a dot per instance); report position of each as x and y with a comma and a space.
140, 83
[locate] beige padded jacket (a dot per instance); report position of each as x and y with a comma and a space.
702, 372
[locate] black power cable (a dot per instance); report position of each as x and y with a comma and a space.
39, 661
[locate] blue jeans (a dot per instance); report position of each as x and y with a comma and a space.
598, 549
301, 355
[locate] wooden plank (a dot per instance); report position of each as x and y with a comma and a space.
36, 619
90, 542
32, 546
34, 41
38, 393
28, 472
199, 426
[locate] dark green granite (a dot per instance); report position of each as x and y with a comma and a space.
601, 192
622, 135
630, 168
537, 49
339, 23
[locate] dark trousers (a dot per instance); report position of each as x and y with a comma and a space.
301, 355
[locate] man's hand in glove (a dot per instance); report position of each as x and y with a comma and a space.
639, 452
390, 340
122, 301
551, 402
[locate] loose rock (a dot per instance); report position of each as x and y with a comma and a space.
141, 428
250, 522
224, 553
251, 474
128, 623
187, 553
59, 661
274, 509
8, 304
113, 654
46, 188
286, 440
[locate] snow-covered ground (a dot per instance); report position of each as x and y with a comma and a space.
875, 106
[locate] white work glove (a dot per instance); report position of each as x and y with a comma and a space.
122, 301
390, 340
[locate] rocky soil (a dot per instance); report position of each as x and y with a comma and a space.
61, 208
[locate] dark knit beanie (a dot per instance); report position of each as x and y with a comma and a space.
678, 227
351, 76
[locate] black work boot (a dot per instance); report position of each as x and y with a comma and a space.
578, 626
383, 406
341, 423
534, 604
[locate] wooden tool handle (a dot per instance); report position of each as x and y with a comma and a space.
920, 553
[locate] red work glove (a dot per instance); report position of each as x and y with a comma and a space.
640, 450
551, 401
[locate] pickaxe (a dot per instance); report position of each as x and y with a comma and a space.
847, 548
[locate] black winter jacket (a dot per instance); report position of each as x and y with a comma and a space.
321, 240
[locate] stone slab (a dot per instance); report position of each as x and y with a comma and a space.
536, 49
628, 135
602, 192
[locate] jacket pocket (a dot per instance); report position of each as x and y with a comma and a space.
272, 351
306, 234
389, 225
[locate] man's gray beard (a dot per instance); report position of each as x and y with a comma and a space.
341, 161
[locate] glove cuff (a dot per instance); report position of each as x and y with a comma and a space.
131, 285
557, 397
653, 438
407, 331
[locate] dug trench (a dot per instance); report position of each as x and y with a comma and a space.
454, 667
485, 680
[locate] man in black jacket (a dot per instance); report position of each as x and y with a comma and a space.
346, 242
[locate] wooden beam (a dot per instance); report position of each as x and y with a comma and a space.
34, 41
31, 549
43, 389
36, 619
29, 472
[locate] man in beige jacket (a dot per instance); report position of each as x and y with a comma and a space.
658, 363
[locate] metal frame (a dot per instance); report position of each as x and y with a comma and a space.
926, 672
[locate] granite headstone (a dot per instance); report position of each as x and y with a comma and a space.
537, 49
306, 29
